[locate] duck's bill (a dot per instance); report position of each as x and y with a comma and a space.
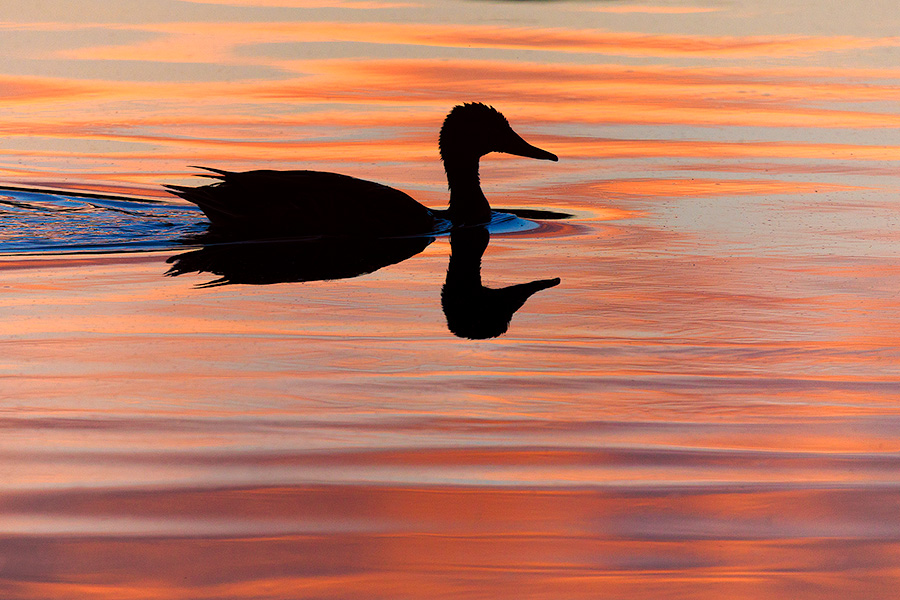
520, 147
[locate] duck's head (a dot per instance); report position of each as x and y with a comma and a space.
472, 130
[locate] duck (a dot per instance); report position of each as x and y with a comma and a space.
272, 203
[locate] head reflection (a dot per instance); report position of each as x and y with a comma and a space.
474, 311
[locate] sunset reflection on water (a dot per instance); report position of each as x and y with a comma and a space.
706, 406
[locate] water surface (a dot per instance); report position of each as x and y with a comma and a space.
707, 405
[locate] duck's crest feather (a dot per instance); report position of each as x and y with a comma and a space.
469, 118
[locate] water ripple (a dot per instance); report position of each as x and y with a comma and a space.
37, 221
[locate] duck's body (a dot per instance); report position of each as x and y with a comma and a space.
317, 203
297, 203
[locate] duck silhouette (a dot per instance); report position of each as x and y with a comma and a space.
473, 310
296, 203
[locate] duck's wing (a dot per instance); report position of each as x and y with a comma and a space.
306, 203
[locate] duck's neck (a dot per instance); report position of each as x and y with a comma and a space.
467, 246
468, 206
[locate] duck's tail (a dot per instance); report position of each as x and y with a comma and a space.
219, 173
181, 190
203, 196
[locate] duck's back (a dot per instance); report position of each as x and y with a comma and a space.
307, 203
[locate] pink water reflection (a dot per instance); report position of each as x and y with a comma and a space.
705, 407
465, 540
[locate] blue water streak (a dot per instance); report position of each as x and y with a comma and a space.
38, 221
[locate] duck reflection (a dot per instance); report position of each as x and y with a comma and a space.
474, 311
262, 262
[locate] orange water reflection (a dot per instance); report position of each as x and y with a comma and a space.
706, 406
351, 542
715, 436
187, 40
94, 127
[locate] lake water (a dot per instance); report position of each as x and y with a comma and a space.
707, 405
